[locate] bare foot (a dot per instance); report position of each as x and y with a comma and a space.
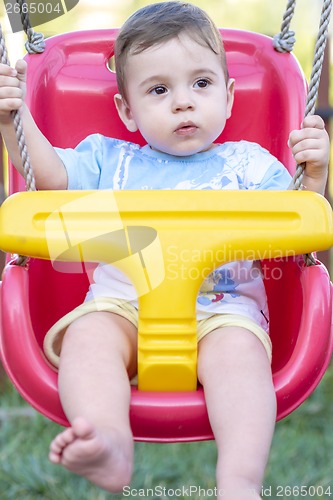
104, 458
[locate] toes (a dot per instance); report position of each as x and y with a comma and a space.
64, 438
55, 458
59, 443
80, 429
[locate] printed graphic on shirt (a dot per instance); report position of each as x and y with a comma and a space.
216, 286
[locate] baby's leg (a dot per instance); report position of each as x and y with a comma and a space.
97, 358
235, 372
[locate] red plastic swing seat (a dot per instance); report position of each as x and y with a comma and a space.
71, 83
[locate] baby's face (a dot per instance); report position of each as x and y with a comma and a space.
177, 96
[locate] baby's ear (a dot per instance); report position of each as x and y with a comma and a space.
230, 96
125, 113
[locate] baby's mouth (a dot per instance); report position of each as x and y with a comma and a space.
187, 128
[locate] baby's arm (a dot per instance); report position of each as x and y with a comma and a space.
310, 145
48, 169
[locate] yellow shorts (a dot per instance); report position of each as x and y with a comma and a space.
53, 338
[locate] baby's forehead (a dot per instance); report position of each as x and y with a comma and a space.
184, 41
173, 55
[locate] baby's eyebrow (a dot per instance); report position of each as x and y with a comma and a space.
204, 70
153, 79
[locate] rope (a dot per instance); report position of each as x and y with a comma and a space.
284, 42
315, 79
35, 43
27, 169
28, 173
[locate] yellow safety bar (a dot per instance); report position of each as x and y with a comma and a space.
166, 242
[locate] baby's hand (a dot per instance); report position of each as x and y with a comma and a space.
310, 145
12, 88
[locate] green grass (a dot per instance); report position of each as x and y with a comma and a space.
302, 455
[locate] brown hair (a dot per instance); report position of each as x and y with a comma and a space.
160, 22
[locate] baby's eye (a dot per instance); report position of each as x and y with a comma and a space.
202, 83
158, 90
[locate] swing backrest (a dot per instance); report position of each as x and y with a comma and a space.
70, 94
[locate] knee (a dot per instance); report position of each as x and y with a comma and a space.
230, 346
233, 339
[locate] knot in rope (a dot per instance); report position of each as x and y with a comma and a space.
284, 42
35, 43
